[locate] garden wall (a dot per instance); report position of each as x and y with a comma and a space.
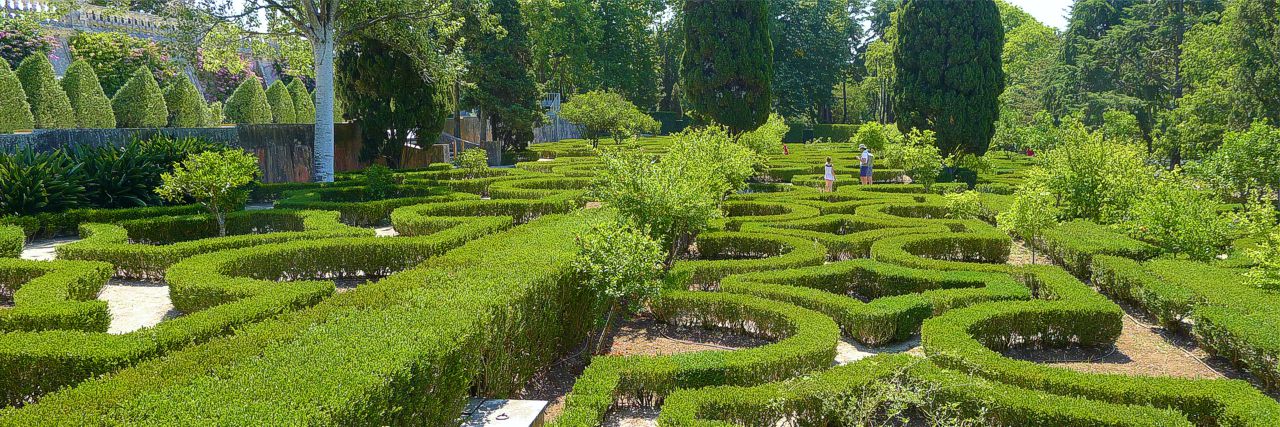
284, 151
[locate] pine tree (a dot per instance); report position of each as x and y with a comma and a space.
15, 112
248, 104
727, 70
49, 104
186, 107
949, 72
302, 102
281, 101
140, 102
90, 103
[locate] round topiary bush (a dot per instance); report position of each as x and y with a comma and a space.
15, 113
186, 108
248, 105
90, 104
49, 104
282, 109
140, 102
302, 102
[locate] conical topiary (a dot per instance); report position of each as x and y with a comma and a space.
15, 112
186, 107
282, 110
140, 102
248, 104
91, 105
302, 102
49, 105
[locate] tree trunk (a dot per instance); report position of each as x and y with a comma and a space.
222, 223
322, 151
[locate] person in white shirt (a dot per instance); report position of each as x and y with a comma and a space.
829, 174
865, 159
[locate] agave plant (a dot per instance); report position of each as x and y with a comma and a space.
119, 177
33, 183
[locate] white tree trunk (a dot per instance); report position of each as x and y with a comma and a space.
322, 152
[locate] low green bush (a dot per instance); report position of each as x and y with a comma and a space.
47, 225
12, 240
357, 209
1073, 245
58, 295
724, 253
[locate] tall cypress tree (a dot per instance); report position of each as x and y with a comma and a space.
499, 69
91, 105
15, 112
949, 72
727, 70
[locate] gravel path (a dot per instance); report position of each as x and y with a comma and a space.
44, 249
135, 305
849, 351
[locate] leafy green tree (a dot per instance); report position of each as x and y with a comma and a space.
811, 51
498, 69
49, 104
1094, 178
186, 107
23, 37
1173, 214
966, 205
281, 102
949, 72
379, 182
1031, 213
15, 112
874, 135
216, 179
1248, 162
766, 139
675, 198
1266, 273
586, 45
622, 266
90, 103
607, 113
140, 102
302, 102
215, 117
727, 70
1122, 127
388, 94
918, 157
1030, 54
248, 104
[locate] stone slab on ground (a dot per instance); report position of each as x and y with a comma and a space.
503, 413
135, 305
386, 232
44, 249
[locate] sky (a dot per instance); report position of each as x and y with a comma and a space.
1051, 12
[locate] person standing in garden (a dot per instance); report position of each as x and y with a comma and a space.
829, 175
864, 160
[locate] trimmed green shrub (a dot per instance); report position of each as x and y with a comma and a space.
248, 105
15, 112
47, 225
303, 103
140, 103
358, 208
90, 103
12, 240
49, 105
186, 107
58, 295
281, 102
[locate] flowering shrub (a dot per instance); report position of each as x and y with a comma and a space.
115, 57
218, 85
19, 38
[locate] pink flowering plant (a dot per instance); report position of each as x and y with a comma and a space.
20, 38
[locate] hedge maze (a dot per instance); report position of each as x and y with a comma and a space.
478, 293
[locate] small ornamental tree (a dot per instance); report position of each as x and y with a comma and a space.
474, 161
15, 112
49, 104
140, 102
1031, 213
1174, 215
215, 179
1248, 162
917, 156
91, 105
622, 266
186, 106
303, 105
281, 102
214, 117
607, 113
248, 105
766, 139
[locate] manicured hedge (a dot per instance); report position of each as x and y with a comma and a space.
355, 207
15, 112
12, 240
91, 105
140, 102
248, 104
49, 104
805, 342
67, 223
725, 253
131, 246
1073, 244
54, 295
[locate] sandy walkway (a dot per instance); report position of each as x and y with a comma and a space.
44, 249
136, 305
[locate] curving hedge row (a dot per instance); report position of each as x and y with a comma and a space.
54, 295
358, 210
123, 244
725, 253
67, 223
